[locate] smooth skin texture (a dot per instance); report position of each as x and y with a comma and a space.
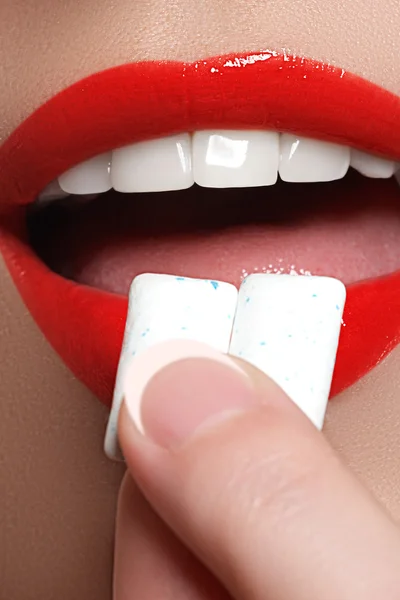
248, 484
57, 509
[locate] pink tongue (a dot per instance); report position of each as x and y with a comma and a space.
366, 248
348, 229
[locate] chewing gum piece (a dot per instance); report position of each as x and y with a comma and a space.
288, 326
166, 307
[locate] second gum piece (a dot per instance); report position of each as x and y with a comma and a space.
289, 326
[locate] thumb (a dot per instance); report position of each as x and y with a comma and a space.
248, 484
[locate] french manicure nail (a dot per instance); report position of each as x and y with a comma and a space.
175, 387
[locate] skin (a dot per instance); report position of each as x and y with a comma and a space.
58, 508
248, 484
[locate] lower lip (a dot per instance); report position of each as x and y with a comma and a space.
85, 325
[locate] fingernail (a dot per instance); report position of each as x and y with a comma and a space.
175, 387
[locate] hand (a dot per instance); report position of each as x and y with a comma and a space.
240, 496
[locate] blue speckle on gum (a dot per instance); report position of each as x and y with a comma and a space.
215, 284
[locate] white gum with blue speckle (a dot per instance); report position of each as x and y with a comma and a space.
166, 307
289, 326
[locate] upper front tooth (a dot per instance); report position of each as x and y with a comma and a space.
89, 177
304, 159
153, 166
223, 159
371, 166
217, 159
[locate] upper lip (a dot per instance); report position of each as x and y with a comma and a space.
127, 104
261, 91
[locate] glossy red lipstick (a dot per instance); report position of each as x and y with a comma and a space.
147, 100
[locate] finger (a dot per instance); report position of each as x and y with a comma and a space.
248, 483
150, 563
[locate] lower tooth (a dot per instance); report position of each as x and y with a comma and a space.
289, 328
397, 176
165, 307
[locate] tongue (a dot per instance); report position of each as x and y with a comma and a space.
348, 229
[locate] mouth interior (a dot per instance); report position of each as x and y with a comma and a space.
349, 229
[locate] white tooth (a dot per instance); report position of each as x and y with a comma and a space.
288, 326
224, 159
158, 165
89, 177
51, 193
370, 165
164, 308
308, 160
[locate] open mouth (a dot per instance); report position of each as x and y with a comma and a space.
235, 165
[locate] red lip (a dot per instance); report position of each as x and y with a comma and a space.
144, 100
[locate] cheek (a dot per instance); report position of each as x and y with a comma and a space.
363, 425
28, 365
48, 420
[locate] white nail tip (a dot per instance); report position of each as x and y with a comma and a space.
308, 160
143, 369
371, 166
226, 159
89, 177
289, 328
163, 164
164, 308
286, 326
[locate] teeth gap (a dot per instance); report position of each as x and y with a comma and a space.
213, 159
